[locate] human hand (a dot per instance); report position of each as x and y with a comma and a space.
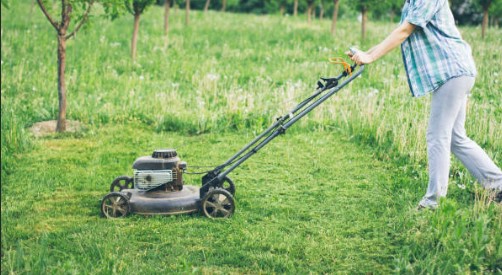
360, 57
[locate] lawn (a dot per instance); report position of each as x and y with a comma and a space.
336, 194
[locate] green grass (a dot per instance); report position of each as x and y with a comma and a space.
347, 204
296, 212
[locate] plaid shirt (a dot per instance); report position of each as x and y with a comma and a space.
435, 51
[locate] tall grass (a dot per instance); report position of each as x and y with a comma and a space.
196, 82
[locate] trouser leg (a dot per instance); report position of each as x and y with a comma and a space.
445, 107
472, 156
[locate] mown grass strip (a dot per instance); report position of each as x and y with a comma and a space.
306, 203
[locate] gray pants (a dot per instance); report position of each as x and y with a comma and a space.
446, 133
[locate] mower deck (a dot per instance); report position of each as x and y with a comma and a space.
163, 203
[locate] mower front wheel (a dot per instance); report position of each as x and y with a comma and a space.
115, 205
218, 203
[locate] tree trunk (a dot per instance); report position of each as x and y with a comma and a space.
61, 124
33, 3
206, 6
282, 9
167, 6
335, 16
223, 5
135, 36
485, 22
321, 12
295, 8
187, 12
364, 18
309, 13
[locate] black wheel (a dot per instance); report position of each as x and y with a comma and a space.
228, 185
121, 183
218, 203
115, 205
498, 197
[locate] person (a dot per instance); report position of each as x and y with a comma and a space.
437, 60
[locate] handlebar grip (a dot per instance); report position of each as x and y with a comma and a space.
354, 50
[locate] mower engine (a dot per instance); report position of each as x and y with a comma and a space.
156, 188
161, 171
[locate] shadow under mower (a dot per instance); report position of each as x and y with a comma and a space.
157, 188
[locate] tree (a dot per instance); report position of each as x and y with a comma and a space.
258, 6
363, 7
187, 12
485, 5
282, 8
321, 9
223, 5
295, 8
167, 6
364, 19
387, 9
282, 5
335, 16
71, 11
394, 7
496, 13
136, 8
466, 12
206, 6
473, 13
310, 10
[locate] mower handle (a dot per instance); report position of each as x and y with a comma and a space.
354, 50
216, 176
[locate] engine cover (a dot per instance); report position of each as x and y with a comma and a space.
163, 168
150, 179
150, 163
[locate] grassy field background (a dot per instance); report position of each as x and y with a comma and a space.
336, 194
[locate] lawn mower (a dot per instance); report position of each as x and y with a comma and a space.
157, 186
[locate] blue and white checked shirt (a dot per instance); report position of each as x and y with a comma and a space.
435, 52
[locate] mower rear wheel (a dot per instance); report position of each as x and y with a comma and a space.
228, 185
115, 205
121, 183
218, 203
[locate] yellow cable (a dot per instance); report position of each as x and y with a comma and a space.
339, 60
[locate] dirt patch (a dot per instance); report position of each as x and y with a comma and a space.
44, 128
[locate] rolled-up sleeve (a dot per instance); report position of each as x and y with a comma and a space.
420, 12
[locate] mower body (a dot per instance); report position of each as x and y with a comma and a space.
156, 188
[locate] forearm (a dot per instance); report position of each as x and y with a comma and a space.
394, 39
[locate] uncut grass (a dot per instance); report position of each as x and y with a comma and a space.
232, 71
227, 73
